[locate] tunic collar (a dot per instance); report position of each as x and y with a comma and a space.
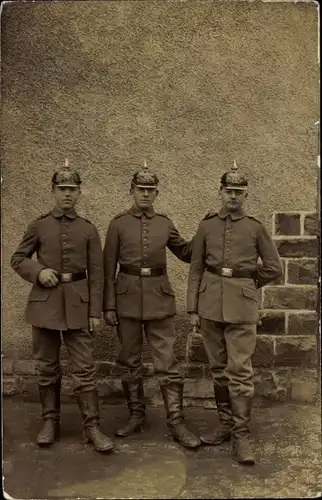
223, 214
138, 212
58, 214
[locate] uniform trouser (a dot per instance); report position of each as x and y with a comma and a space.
229, 347
46, 352
160, 335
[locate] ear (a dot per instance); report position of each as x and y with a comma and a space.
156, 193
131, 190
246, 194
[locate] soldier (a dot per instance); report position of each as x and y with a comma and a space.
67, 296
142, 296
224, 274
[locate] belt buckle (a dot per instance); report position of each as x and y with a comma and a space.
146, 271
226, 271
66, 277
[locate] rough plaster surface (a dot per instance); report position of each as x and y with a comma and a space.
186, 85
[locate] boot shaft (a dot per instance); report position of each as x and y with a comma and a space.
241, 412
223, 404
88, 405
134, 394
173, 401
50, 401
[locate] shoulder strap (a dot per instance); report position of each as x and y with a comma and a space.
210, 214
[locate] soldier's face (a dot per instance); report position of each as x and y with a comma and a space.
66, 197
232, 199
143, 197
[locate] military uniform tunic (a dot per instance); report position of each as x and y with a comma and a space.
66, 243
139, 239
228, 306
69, 244
236, 242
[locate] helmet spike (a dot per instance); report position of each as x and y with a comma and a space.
66, 177
145, 178
234, 179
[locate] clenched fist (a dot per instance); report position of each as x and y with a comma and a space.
111, 318
48, 277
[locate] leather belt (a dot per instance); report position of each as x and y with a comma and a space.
231, 273
68, 277
142, 271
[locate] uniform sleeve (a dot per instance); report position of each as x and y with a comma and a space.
111, 256
21, 260
95, 274
271, 267
196, 270
180, 247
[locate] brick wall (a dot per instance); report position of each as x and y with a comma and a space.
286, 356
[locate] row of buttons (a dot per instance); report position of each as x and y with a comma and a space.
227, 249
65, 258
145, 239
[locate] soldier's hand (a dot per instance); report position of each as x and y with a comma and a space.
93, 323
195, 320
48, 277
111, 318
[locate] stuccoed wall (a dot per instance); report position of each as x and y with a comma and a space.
188, 86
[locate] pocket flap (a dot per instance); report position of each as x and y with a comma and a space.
202, 287
166, 288
84, 296
121, 287
250, 293
39, 295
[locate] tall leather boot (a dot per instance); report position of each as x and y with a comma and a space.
223, 433
88, 405
50, 402
173, 400
242, 448
134, 394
